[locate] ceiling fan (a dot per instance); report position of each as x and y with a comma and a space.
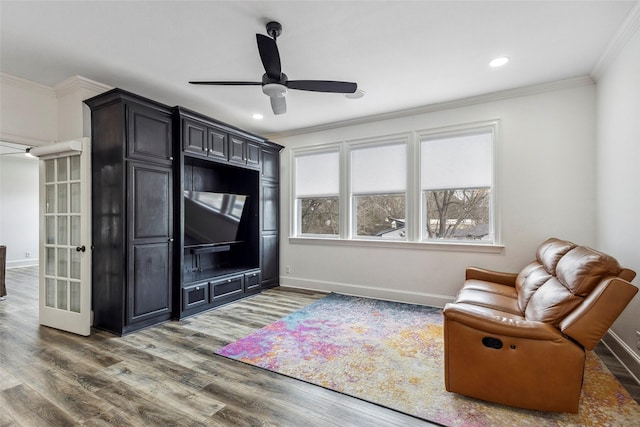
274, 82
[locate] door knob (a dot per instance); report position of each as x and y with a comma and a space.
80, 248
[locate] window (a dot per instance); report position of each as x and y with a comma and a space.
317, 184
456, 182
432, 186
378, 188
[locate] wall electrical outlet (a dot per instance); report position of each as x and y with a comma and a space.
27, 254
287, 269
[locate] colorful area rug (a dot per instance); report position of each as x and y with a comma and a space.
392, 354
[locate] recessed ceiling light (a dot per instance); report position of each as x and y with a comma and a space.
359, 93
258, 116
499, 62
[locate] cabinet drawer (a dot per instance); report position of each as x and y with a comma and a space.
226, 287
252, 281
195, 296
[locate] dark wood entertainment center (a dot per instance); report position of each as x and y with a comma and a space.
145, 155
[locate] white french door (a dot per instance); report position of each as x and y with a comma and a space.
65, 236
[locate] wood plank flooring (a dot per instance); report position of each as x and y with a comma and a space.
167, 375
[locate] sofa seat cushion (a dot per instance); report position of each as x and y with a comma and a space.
491, 300
494, 288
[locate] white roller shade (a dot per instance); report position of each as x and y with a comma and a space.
456, 162
379, 169
317, 174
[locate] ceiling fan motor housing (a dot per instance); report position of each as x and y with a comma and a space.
274, 29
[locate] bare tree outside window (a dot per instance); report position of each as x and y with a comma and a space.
376, 215
320, 215
458, 214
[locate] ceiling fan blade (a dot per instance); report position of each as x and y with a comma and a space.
269, 56
322, 86
228, 83
278, 104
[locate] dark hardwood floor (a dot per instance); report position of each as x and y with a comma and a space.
168, 375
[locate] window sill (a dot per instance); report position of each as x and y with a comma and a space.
394, 244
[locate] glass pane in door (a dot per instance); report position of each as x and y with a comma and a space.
75, 198
62, 198
49, 171
63, 230
74, 168
75, 230
62, 169
50, 230
50, 199
50, 292
62, 294
74, 296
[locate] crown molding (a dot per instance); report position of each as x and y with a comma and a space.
447, 105
75, 83
8, 79
23, 140
626, 31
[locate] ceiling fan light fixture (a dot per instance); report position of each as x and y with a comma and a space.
274, 90
499, 62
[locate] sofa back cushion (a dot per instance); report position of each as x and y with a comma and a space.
528, 281
582, 268
560, 278
550, 252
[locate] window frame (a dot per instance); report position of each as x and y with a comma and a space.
414, 200
351, 212
489, 127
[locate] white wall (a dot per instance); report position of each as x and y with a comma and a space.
547, 188
34, 115
618, 162
19, 210
28, 112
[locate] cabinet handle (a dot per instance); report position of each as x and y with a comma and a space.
171, 158
171, 240
197, 288
228, 280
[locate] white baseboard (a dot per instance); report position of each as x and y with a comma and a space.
625, 355
31, 262
422, 298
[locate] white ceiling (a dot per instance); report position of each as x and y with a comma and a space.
403, 54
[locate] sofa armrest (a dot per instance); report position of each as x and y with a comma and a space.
591, 320
496, 323
501, 278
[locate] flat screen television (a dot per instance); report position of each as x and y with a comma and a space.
212, 218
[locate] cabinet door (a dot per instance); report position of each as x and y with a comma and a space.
218, 147
149, 282
243, 152
236, 150
269, 207
150, 242
149, 134
225, 288
194, 137
252, 154
270, 261
271, 165
150, 203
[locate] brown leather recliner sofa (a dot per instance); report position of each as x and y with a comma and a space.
521, 339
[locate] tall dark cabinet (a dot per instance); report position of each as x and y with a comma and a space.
145, 155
